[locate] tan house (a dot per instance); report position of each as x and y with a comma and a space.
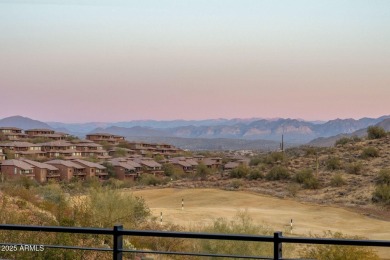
68, 169
93, 169
124, 170
12, 133
212, 163
105, 137
10, 129
188, 164
34, 132
91, 149
149, 165
23, 149
44, 172
15, 169
153, 148
62, 149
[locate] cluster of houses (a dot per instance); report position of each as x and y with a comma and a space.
62, 158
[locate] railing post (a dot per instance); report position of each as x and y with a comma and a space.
118, 243
277, 246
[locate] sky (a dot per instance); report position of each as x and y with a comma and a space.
102, 60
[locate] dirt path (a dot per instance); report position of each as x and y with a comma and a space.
202, 206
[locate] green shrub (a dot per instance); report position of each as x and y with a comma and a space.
333, 163
239, 172
235, 184
202, 171
337, 180
369, 152
274, 157
255, 174
256, 160
278, 173
173, 171
149, 180
354, 168
343, 141
113, 183
107, 207
307, 179
382, 194
383, 177
92, 182
347, 140
375, 132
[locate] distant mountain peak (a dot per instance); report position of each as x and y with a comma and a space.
23, 122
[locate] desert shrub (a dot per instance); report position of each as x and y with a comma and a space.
113, 183
166, 244
333, 163
128, 183
337, 252
337, 180
369, 152
149, 180
375, 132
354, 168
309, 151
343, 141
255, 174
274, 157
106, 207
383, 177
307, 179
278, 173
242, 224
202, 171
381, 194
172, 171
235, 184
239, 172
256, 160
293, 189
92, 182
52, 192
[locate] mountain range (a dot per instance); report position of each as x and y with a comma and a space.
268, 132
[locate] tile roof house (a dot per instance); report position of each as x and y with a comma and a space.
68, 169
16, 168
24, 149
188, 164
154, 148
212, 163
12, 133
93, 169
46, 133
44, 172
105, 137
124, 170
61, 148
33, 132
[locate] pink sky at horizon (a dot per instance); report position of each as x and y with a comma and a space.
167, 60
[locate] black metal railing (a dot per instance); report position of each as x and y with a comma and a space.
118, 232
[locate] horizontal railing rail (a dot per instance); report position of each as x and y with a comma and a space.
117, 233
